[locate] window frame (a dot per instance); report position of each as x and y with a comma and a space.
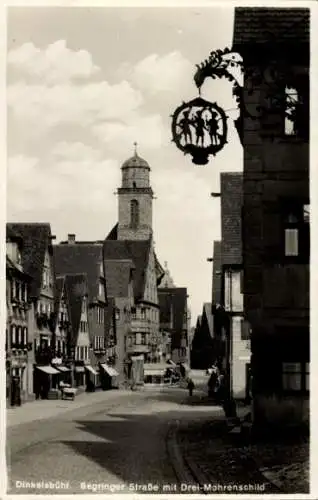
296, 208
303, 371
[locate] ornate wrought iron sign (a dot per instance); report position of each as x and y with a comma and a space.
199, 128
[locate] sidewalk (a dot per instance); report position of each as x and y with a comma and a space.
215, 455
43, 409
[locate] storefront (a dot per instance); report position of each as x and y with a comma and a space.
109, 377
46, 378
79, 376
154, 373
92, 378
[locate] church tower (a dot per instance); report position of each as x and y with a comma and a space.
135, 200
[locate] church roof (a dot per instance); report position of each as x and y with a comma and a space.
135, 162
135, 250
117, 277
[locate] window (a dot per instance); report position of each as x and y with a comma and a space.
129, 341
134, 214
13, 289
143, 339
295, 376
138, 338
292, 376
143, 313
25, 293
44, 278
101, 289
13, 335
117, 314
25, 336
297, 230
133, 313
291, 107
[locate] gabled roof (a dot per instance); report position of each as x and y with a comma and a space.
207, 313
177, 297
58, 294
13, 236
80, 259
267, 24
36, 240
231, 217
160, 272
110, 318
173, 307
199, 321
217, 270
113, 236
118, 274
11, 266
76, 287
137, 251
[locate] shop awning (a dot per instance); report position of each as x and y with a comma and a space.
110, 370
62, 368
48, 369
79, 369
91, 369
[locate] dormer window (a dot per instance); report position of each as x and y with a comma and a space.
100, 289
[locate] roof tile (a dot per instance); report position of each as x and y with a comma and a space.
78, 259
36, 239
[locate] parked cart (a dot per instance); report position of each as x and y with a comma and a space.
68, 392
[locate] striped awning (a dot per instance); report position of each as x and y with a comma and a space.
48, 369
110, 370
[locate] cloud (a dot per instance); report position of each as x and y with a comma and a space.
43, 106
168, 73
69, 186
149, 131
54, 64
75, 151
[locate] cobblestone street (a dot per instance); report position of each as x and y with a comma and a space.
154, 441
119, 441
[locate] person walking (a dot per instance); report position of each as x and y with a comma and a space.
190, 387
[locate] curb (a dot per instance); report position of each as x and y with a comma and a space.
177, 460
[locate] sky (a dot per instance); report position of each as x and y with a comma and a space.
85, 83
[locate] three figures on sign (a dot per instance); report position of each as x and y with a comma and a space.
200, 122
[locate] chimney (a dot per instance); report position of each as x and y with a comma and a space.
71, 239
